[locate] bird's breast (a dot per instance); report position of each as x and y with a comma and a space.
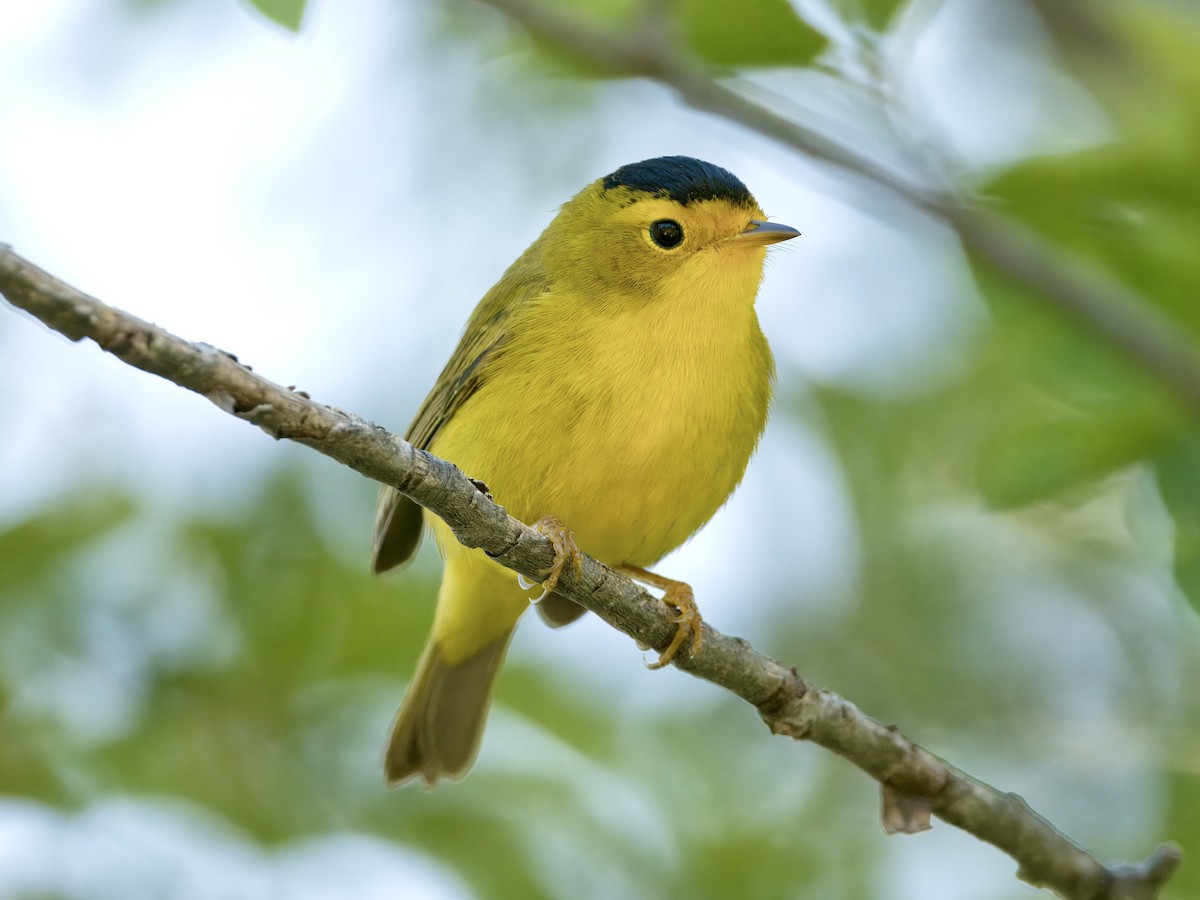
631, 429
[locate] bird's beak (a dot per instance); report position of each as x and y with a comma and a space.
759, 233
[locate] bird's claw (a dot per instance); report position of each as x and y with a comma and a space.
565, 553
680, 596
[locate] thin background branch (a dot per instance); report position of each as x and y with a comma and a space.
915, 783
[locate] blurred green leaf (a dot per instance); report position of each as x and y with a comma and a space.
1132, 210
288, 13
762, 33
1027, 462
1179, 480
878, 14
1182, 795
1077, 410
34, 548
721, 32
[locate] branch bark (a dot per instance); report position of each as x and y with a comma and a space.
1117, 315
915, 783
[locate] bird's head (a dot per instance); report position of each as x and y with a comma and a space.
661, 226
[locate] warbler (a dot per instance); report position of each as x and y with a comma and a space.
612, 386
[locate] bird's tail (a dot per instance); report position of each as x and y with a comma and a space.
436, 732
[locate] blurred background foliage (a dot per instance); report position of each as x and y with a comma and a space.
975, 519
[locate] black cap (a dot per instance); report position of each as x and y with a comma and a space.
681, 178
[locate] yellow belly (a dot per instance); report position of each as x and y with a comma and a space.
631, 439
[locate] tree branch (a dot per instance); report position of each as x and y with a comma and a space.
1118, 316
915, 782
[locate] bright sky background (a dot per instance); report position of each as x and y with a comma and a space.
329, 207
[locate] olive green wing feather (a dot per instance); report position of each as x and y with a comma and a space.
398, 519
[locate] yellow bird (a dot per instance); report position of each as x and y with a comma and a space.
614, 382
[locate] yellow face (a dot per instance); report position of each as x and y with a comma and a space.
622, 245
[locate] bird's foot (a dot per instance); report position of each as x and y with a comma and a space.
565, 553
679, 595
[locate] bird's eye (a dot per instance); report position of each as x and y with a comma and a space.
667, 233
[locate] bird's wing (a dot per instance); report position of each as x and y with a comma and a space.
398, 519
